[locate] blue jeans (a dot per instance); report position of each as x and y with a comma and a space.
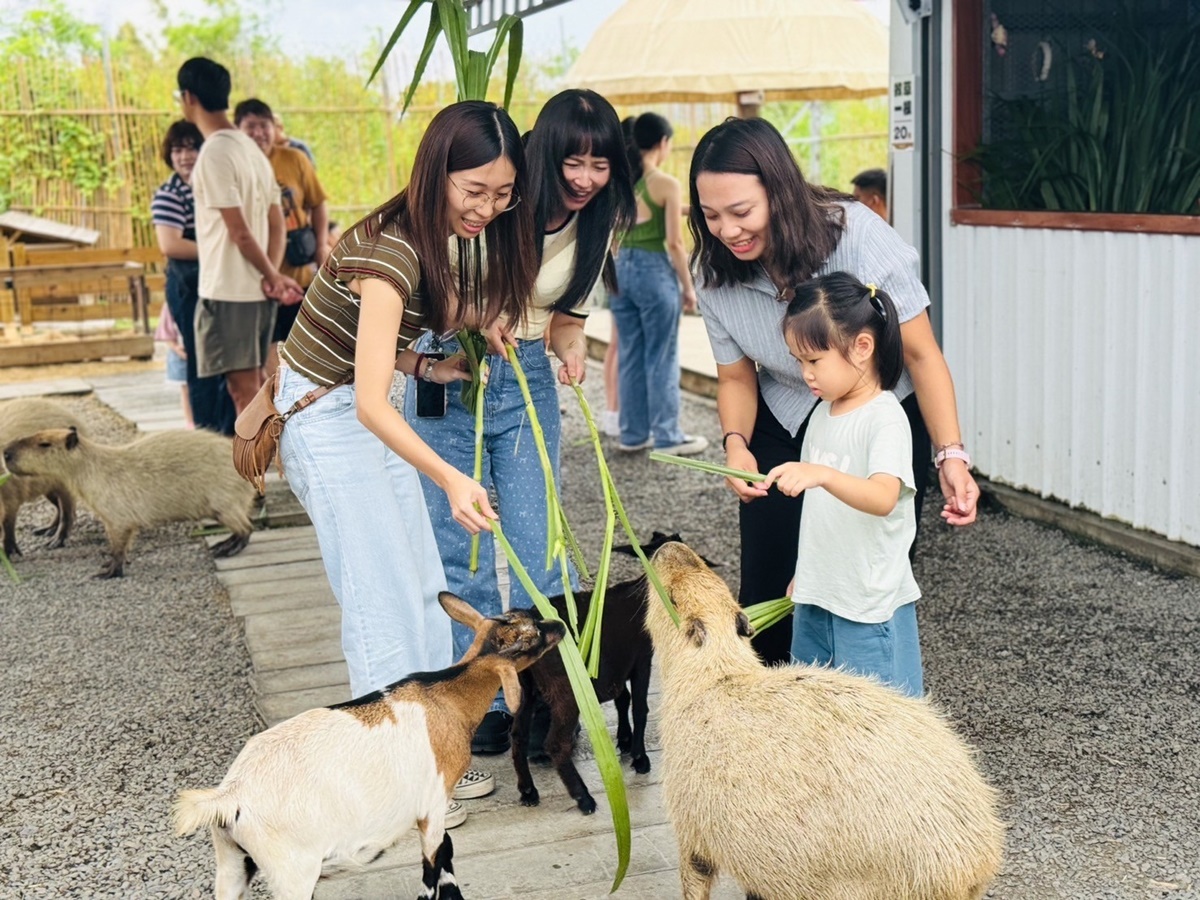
646, 312
375, 536
889, 650
212, 407
511, 467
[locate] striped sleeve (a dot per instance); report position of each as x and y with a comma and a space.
168, 209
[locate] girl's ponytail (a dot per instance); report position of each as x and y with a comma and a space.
889, 351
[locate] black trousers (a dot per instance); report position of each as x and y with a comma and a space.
212, 407
770, 525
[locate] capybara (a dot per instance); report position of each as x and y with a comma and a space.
172, 476
806, 782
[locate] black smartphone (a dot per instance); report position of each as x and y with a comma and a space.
431, 398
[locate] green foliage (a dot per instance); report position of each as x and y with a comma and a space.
472, 68
227, 33
50, 31
1123, 137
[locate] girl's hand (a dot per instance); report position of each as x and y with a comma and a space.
499, 338
574, 362
961, 492
738, 456
794, 478
451, 369
468, 502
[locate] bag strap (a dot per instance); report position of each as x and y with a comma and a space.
313, 396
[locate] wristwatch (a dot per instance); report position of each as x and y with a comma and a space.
951, 451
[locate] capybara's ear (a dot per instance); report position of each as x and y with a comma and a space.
695, 631
460, 610
744, 628
72, 438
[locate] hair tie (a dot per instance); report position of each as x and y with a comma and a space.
877, 302
872, 289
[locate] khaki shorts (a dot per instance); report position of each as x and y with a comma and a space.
232, 336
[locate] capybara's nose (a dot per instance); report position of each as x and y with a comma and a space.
9, 456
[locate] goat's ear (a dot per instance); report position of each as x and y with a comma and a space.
460, 610
695, 631
744, 628
72, 438
511, 682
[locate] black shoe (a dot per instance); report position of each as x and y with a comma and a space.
492, 734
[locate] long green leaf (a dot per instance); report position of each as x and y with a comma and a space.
431, 36
590, 714
413, 6
454, 23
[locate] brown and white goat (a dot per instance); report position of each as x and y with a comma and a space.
806, 782
342, 784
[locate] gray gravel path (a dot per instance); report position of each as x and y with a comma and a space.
1074, 670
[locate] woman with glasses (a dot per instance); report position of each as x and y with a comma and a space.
760, 230
414, 264
579, 192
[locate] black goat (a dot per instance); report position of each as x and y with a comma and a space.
625, 658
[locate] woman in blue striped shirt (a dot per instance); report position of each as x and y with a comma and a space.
760, 229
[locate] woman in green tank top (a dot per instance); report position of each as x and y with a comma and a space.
654, 286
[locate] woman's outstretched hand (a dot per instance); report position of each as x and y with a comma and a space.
961, 492
738, 456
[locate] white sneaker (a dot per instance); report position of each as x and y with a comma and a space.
473, 784
690, 446
610, 423
456, 814
634, 448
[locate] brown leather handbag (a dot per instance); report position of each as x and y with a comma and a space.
258, 428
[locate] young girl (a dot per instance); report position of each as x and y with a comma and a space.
350, 457
854, 589
654, 287
579, 191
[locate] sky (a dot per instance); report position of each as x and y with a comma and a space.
337, 27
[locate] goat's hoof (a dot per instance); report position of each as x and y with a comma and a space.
586, 804
624, 743
44, 530
530, 797
641, 764
112, 569
231, 546
56, 542
11, 550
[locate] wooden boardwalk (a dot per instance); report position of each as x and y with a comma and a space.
278, 591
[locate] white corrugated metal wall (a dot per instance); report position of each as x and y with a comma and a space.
1076, 363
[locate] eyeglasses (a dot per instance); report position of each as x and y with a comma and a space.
178, 95
501, 203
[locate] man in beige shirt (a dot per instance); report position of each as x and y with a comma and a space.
239, 236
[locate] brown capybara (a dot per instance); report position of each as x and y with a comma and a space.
801, 781
172, 476
20, 418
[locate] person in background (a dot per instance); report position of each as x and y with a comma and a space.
282, 139
654, 287
761, 230
870, 189
172, 212
167, 333
305, 214
239, 236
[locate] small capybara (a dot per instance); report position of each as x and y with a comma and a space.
20, 418
172, 476
806, 782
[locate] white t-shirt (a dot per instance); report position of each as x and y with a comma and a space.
851, 563
231, 171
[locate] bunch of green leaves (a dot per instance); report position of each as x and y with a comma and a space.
1124, 135
472, 68
769, 612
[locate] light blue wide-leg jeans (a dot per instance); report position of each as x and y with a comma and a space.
375, 535
646, 310
511, 467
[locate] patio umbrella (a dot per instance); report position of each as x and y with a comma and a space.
703, 51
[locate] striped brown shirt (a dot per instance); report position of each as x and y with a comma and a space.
321, 343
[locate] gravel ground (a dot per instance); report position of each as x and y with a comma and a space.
1074, 670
